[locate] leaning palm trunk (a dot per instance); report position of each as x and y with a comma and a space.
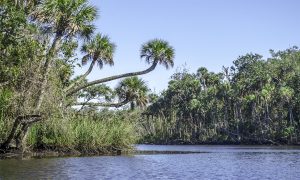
99, 81
82, 77
116, 105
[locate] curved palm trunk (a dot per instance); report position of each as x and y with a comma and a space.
82, 77
151, 68
116, 105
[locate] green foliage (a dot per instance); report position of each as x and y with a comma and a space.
134, 90
256, 101
5, 96
66, 17
160, 51
99, 49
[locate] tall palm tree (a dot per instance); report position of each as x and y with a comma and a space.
63, 19
156, 51
98, 50
133, 90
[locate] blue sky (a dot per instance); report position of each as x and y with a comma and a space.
209, 33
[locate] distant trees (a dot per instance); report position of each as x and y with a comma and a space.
254, 101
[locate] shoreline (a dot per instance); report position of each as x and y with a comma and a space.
48, 153
254, 143
52, 154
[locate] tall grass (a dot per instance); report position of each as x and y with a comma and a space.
88, 132
3, 128
95, 133
5, 123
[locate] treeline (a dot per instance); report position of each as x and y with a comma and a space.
256, 101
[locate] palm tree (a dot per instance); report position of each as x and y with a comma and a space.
67, 18
134, 90
98, 50
130, 90
202, 74
155, 51
63, 19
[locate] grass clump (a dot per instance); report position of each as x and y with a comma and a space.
101, 132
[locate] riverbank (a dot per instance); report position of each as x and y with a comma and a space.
48, 153
181, 142
133, 150
99, 133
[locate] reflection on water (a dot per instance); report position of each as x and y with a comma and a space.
220, 162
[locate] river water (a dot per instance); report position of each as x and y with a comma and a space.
212, 162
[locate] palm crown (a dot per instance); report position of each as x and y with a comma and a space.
158, 51
99, 49
134, 90
66, 17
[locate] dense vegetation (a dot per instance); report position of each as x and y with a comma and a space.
255, 101
41, 105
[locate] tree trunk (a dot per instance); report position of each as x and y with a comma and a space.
19, 120
5, 145
22, 136
23, 133
99, 81
116, 105
45, 73
82, 77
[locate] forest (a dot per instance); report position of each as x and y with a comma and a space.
255, 101
46, 105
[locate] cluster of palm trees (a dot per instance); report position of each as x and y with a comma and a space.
54, 29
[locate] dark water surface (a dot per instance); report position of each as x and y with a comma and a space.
213, 162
